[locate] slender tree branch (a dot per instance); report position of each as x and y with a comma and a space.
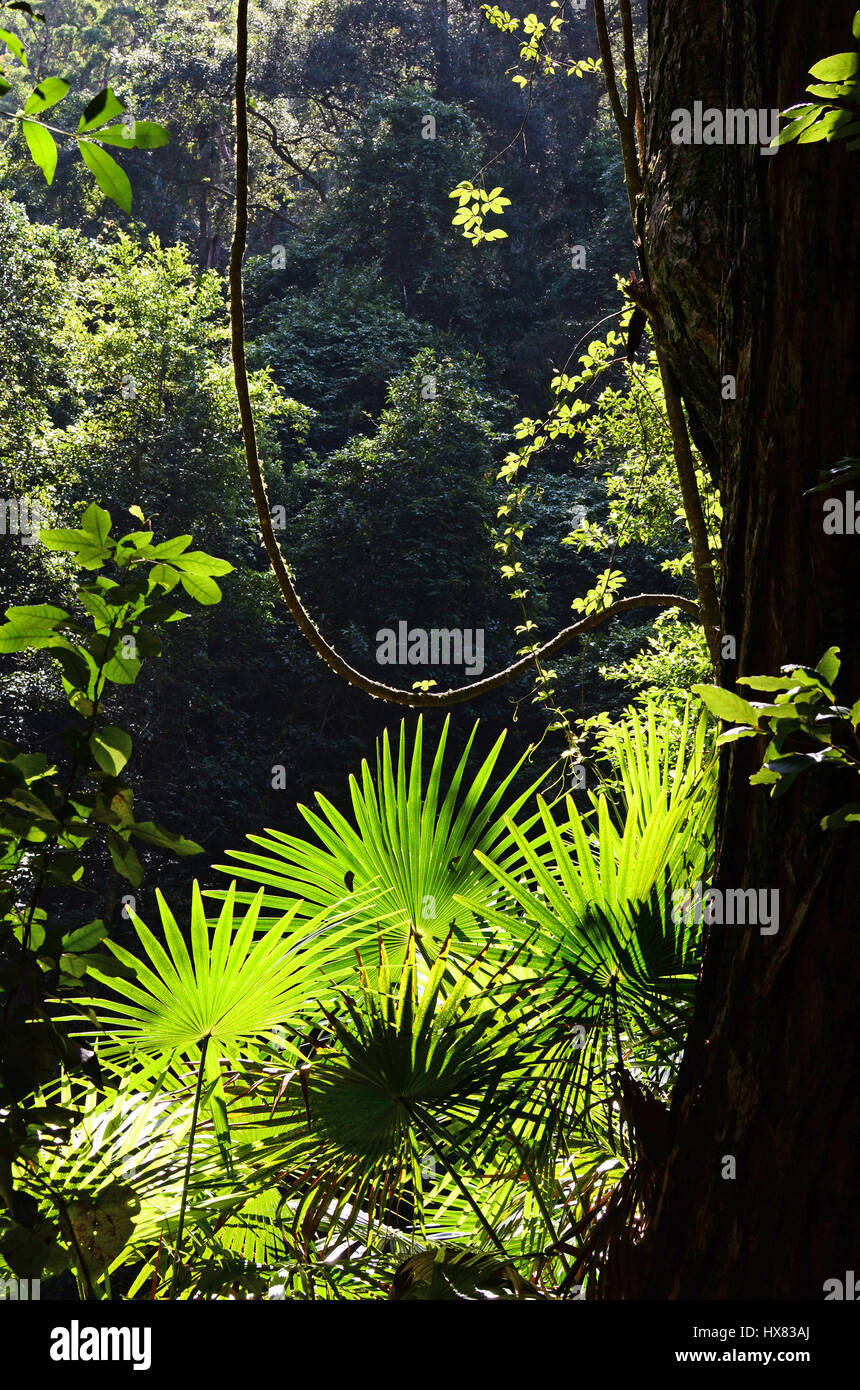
635, 106
283, 154
632, 176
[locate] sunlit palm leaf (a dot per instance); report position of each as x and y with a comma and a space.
416, 847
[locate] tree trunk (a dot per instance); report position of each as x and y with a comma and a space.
754, 259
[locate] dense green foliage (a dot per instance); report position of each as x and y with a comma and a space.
425, 1050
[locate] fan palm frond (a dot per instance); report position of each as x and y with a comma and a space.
415, 847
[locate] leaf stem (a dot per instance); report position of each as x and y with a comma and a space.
187, 1176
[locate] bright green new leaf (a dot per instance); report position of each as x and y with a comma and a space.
201, 587
197, 562
169, 550
96, 522
103, 107
837, 68
42, 146
47, 94
147, 136
726, 705
31, 626
122, 669
111, 179
164, 575
14, 45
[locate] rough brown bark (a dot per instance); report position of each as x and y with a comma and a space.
754, 262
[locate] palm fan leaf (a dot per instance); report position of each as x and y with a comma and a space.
415, 846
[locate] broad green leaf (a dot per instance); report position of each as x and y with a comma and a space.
125, 858
169, 550
153, 834
198, 562
42, 147
122, 670
73, 965
768, 682
14, 45
111, 748
837, 68
739, 731
828, 666
790, 132
96, 607
47, 94
111, 179
79, 670
147, 136
96, 521
92, 544
30, 1253
58, 538
165, 575
201, 588
725, 705
825, 128
832, 91
26, 800
103, 107
136, 540
84, 938
33, 625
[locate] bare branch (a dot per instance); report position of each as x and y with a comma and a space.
283, 154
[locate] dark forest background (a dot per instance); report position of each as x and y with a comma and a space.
117, 383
